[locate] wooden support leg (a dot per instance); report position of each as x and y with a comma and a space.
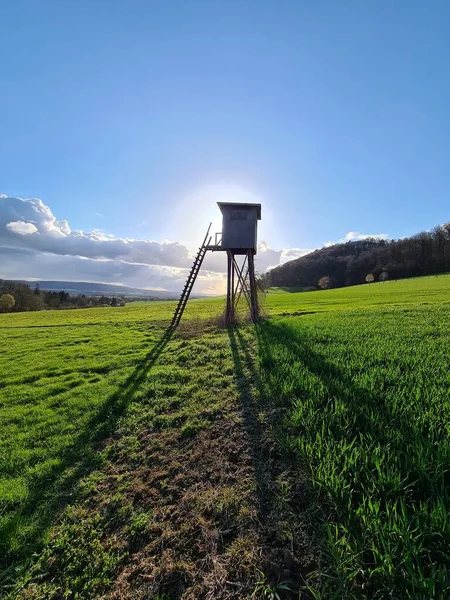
229, 316
254, 310
233, 292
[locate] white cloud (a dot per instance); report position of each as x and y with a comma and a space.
266, 257
293, 253
55, 236
279, 257
355, 236
26, 264
21, 227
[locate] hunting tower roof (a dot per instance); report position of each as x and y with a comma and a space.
242, 205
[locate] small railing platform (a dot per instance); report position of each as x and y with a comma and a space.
215, 248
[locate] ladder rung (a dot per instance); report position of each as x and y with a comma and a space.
194, 271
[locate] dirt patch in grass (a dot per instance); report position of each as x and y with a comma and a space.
186, 522
202, 537
200, 530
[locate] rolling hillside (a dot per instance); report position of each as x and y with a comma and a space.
99, 289
427, 253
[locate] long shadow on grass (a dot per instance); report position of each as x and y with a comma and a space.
246, 376
414, 475
371, 413
49, 493
291, 542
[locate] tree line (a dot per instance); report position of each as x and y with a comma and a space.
18, 297
352, 263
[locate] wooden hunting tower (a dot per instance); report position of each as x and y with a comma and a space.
239, 226
238, 237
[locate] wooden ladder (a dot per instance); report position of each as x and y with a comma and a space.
191, 280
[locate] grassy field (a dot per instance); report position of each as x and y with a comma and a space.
306, 457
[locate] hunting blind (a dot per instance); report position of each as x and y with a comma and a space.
238, 237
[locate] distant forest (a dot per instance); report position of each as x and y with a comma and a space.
352, 263
18, 297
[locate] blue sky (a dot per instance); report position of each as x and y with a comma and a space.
130, 119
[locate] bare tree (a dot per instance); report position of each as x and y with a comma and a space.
7, 302
324, 282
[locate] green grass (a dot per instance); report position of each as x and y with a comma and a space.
346, 391
366, 394
421, 290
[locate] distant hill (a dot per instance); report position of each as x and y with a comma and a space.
426, 253
100, 289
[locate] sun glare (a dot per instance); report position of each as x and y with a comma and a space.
196, 211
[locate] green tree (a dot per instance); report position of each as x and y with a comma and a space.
7, 302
